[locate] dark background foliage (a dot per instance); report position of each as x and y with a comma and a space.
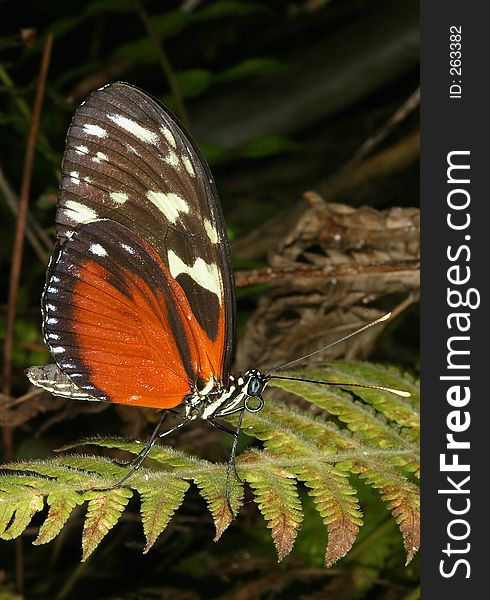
280, 96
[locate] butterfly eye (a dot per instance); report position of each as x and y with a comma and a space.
255, 386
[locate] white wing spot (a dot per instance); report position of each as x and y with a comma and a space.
188, 166
98, 250
75, 177
91, 129
118, 197
79, 212
99, 157
169, 204
81, 149
52, 290
127, 248
57, 350
53, 336
140, 132
135, 397
211, 231
207, 276
167, 134
52, 321
87, 179
52, 307
68, 365
172, 159
72, 375
55, 279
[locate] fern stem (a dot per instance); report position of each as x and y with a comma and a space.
300, 461
77, 572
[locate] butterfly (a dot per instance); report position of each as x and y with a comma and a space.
139, 302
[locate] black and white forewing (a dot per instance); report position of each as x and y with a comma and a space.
127, 159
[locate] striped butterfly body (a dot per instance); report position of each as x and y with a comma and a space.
139, 304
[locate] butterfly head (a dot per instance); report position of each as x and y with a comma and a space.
253, 385
244, 392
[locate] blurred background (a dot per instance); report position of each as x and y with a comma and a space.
283, 98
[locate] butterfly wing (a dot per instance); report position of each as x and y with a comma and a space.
132, 178
120, 325
52, 379
128, 160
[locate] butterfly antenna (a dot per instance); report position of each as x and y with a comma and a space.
359, 385
342, 339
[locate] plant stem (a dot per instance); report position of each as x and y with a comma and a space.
165, 64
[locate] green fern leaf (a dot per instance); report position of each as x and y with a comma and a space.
19, 513
369, 433
161, 496
285, 430
358, 417
334, 497
209, 478
277, 497
370, 427
7, 508
94, 470
402, 498
403, 411
165, 455
103, 512
61, 505
336, 501
212, 487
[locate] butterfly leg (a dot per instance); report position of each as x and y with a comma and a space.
141, 456
234, 433
222, 427
149, 444
232, 464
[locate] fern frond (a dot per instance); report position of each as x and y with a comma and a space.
277, 497
402, 498
286, 429
367, 433
336, 501
161, 496
212, 486
209, 478
15, 515
103, 512
307, 437
61, 505
403, 411
359, 418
